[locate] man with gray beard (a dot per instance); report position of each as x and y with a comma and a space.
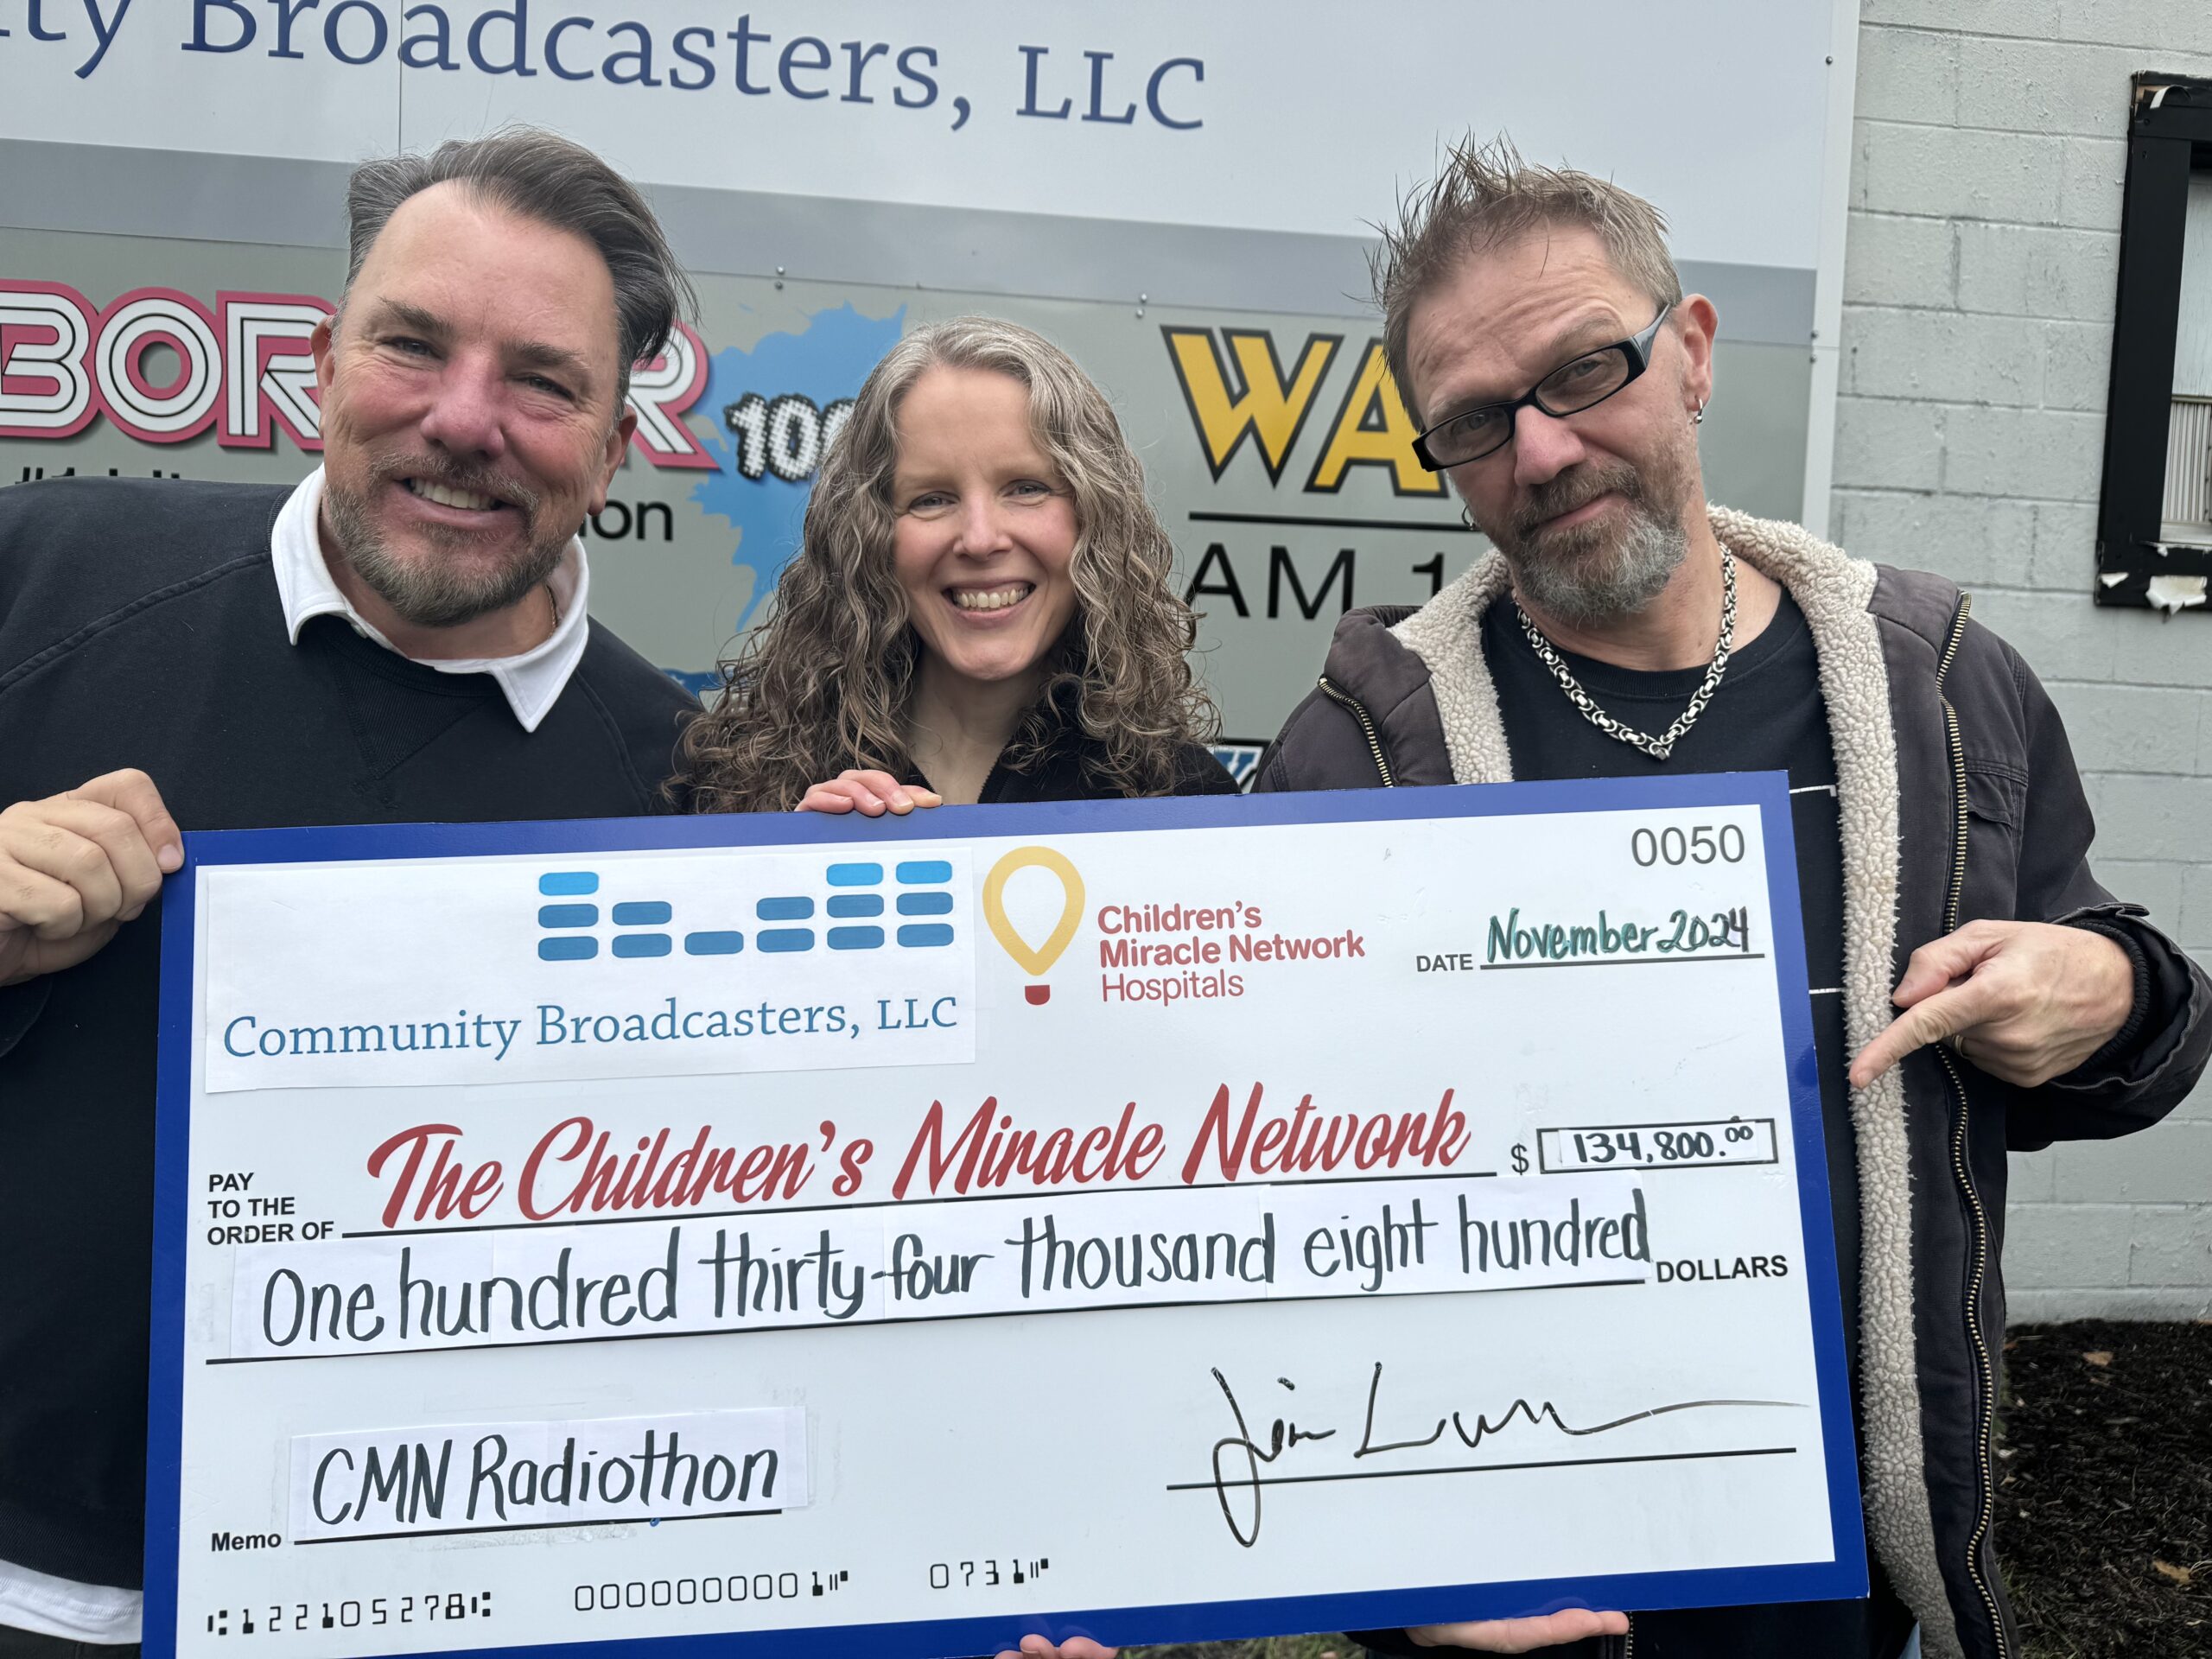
403, 637
1973, 988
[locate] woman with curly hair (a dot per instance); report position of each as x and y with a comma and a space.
980, 610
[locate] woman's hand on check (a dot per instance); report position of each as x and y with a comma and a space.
872, 793
1520, 1635
1079, 1647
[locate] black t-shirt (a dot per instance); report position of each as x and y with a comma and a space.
1058, 775
1767, 716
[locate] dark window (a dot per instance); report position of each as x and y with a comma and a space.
2154, 522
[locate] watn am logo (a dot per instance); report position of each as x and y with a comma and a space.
1242, 394
853, 904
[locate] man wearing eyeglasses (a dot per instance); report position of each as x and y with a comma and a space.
1974, 988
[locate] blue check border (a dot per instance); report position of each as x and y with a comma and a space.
1842, 1577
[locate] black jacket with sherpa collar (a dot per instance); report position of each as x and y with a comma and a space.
1959, 800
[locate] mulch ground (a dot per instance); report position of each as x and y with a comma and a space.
2104, 1508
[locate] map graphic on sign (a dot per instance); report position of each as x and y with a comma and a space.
773, 409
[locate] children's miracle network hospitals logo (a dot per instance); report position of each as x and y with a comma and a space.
1035, 960
845, 911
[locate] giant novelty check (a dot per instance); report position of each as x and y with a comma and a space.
1156, 1220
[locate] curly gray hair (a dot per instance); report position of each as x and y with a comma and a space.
825, 682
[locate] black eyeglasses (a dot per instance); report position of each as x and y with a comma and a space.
1569, 390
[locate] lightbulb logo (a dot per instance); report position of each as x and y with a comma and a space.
1036, 960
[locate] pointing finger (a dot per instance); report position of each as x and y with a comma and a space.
1929, 1020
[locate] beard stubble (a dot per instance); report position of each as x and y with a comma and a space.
436, 592
1598, 572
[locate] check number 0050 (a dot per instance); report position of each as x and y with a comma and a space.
1703, 844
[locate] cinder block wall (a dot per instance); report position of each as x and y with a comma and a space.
1979, 281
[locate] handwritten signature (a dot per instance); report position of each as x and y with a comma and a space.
1238, 1458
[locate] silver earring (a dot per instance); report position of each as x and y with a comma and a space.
1466, 518
1697, 416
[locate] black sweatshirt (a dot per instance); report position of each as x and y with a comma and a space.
140, 626
1057, 775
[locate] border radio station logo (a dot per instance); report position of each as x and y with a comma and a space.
847, 913
1036, 960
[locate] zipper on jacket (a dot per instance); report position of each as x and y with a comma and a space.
1351, 705
1978, 1217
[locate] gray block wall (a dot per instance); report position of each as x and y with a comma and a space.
1979, 271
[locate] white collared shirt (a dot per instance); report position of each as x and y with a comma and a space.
533, 682
97, 1613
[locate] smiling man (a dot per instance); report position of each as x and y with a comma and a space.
403, 637
1974, 988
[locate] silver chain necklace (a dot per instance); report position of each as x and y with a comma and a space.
1663, 746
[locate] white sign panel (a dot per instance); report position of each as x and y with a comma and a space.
1300, 117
